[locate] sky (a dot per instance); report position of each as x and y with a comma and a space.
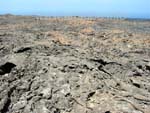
101, 8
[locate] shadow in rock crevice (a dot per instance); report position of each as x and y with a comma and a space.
6, 68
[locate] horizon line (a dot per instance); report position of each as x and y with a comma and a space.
77, 16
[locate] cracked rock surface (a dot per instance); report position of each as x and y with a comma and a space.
74, 65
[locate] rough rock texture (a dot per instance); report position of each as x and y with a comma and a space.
74, 65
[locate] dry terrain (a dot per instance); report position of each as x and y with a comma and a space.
74, 65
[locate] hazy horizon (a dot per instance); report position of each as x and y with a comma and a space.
103, 8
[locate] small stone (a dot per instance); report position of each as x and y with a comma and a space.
19, 105
129, 46
65, 89
47, 92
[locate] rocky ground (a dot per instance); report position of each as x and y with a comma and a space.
74, 65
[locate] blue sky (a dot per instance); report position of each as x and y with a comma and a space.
119, 8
